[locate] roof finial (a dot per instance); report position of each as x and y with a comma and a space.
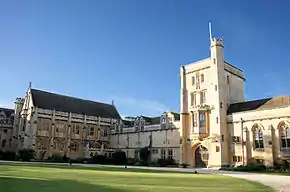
29, 85
113, 102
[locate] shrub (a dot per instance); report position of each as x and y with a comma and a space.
183, 165
119, 158
78, 160
26, 154
248, 168
165, 162
131, 161
7, 155
65, 159
285, 165
55, 158
153, 164
98, 159
138, 163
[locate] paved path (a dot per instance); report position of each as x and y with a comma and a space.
278, 182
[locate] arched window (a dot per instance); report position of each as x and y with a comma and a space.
258, 137
3, 144
284, 130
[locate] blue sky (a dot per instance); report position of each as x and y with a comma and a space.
131, 51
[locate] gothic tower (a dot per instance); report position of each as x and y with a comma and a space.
208, 87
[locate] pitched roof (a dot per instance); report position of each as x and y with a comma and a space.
176, 116
47, 100
152, 120
128, 123
261, 104
155, 120
7, 112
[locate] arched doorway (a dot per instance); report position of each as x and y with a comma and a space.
201, 156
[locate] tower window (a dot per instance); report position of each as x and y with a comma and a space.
217, 120
215, 87
202, 119
193, 80
202, 77
193, 99
228, 79
217, 149
202, 97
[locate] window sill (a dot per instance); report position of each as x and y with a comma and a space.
234, 143
259, 150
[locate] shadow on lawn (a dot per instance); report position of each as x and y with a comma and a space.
91, 168
9, 184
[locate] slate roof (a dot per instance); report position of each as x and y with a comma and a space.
261, 104
152, 120
176, 116
155, 120
7, 112
128, 123
47, 100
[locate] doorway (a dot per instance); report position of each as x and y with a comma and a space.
201, 157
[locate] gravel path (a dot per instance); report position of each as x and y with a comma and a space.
278, 182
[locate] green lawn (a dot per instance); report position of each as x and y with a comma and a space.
50, 178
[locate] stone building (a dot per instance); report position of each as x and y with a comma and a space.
54, 124
160, 134
6, 129
218, 127
51, 124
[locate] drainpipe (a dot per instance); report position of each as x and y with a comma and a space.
242, 138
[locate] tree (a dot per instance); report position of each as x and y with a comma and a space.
119, 158
144, 154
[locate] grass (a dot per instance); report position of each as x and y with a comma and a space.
61, 178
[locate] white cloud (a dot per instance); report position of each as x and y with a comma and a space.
133, 107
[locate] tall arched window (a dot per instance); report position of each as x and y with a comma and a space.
258, 137
284, 130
